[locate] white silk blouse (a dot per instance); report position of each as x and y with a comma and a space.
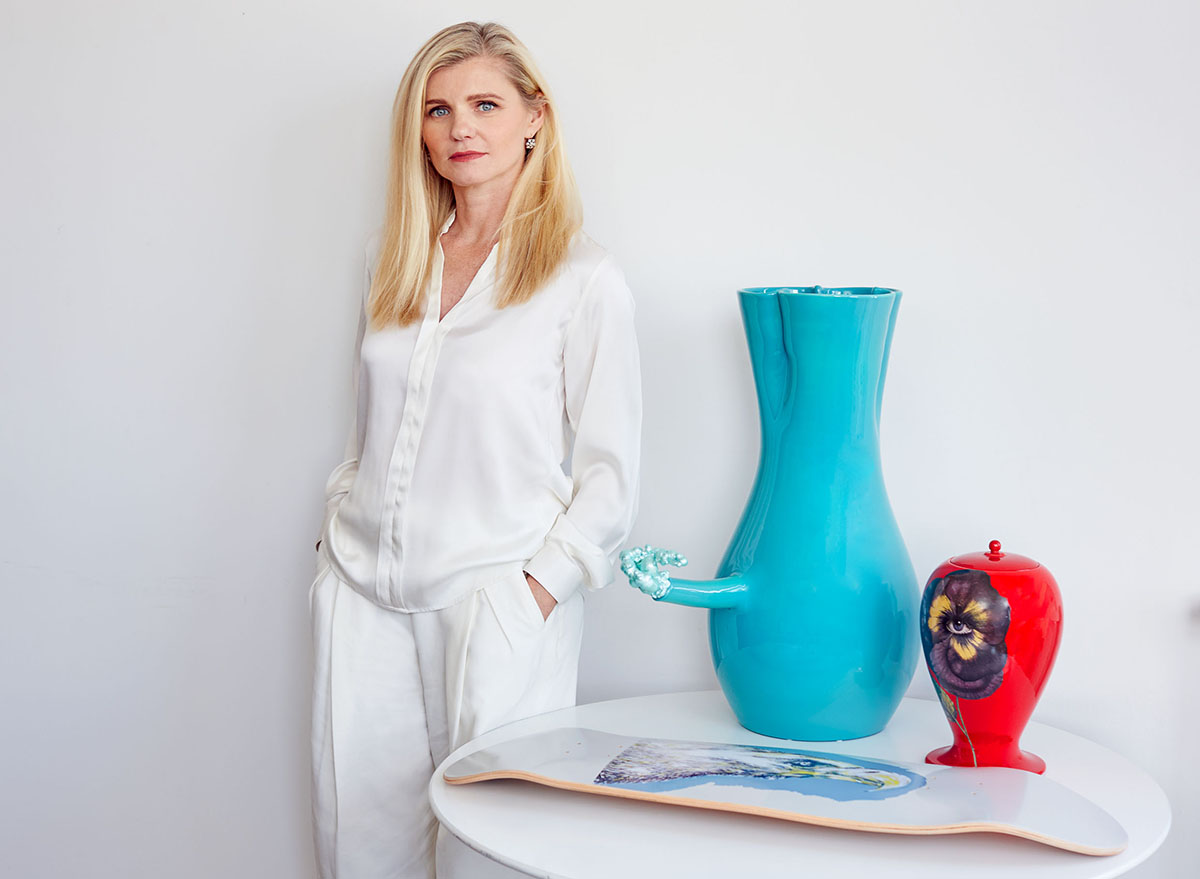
457, 470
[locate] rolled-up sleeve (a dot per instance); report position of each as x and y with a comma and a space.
603, 394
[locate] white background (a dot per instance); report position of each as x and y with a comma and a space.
186, 189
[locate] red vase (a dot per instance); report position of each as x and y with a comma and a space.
990, 626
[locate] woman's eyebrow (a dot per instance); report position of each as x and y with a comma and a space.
484, 97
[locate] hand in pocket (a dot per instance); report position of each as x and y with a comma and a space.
545, 601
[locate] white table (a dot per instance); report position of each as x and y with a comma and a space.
541, 831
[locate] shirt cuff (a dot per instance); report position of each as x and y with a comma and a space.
554, 569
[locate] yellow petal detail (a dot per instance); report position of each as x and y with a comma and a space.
976, 610
965, 647
940, 605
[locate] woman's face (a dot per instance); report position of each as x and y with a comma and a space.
475, 124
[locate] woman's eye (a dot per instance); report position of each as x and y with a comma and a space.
438, 112
486, 105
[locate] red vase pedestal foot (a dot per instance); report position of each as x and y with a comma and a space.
1010, 756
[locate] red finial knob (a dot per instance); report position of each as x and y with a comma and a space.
994, 547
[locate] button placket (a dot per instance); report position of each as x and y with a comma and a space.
425, 351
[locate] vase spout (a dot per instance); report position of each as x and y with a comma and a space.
645, 566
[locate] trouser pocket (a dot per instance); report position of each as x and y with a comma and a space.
507, 658
323, 568
515, 610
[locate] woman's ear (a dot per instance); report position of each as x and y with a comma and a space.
536, 118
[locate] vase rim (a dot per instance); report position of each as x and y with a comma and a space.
818, 291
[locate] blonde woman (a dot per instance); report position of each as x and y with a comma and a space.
496, 341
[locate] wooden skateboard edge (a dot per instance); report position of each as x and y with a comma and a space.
835, 823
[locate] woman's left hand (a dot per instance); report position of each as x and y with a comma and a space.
545, 601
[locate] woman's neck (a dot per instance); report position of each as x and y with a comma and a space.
478, 214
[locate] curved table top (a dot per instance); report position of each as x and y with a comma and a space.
542, 831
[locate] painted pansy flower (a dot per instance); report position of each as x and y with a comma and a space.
966, 620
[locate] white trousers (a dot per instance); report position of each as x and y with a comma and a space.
394, 693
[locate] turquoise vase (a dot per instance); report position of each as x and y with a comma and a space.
813, 613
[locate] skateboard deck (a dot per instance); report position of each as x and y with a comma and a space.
807, 786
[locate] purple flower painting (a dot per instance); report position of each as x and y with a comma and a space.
966, 620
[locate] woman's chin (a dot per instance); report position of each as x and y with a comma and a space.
469, 175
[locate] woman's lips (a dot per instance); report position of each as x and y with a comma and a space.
465, 157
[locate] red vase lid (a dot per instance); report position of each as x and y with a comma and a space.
995, 560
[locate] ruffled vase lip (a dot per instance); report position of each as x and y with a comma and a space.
818, 291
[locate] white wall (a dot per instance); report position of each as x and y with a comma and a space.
186, 189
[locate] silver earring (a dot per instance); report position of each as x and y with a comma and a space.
530, 142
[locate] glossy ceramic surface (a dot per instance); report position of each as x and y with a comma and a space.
990, 627
813, 612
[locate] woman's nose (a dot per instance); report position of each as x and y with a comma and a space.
461, 126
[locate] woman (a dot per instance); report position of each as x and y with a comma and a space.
496, 340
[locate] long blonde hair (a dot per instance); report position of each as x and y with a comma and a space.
543, 212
